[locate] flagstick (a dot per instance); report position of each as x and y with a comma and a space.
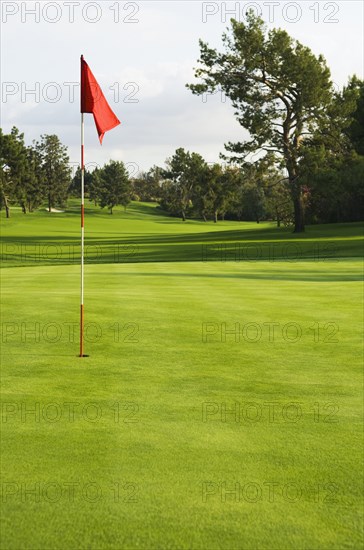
105, 120
82, 231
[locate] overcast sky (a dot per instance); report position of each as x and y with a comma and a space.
143, 53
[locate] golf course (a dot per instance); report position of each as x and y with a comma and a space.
220, 402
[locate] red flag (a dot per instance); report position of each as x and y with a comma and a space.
93, 101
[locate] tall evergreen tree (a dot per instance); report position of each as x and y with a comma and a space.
115, 187
56, 169
280, 90
14, 168
184, 170
75, 187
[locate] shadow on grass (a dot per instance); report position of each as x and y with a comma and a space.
271, 244
300, 275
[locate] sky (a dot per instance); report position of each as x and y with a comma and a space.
142, 54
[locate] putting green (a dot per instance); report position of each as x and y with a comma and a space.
221, 402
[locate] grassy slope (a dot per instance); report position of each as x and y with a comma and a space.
170, 453
144, 234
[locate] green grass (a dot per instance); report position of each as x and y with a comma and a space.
161, 376
144, 234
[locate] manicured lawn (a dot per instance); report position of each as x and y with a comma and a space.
144, 234
175, 433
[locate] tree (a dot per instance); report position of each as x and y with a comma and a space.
253, 200
75, 187
202, 196
278, 201
115, 187
154, 178
95, 185
14, 167
147, 187
215, 192
184, 171
337, 190
327, 155
35, 190
168, 198
6, 183
355, 131
352, 185
280, 91
277, 197
56, 169
5, 187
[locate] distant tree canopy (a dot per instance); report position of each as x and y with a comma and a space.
146, 187
193, 188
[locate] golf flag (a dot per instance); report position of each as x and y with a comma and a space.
93, 101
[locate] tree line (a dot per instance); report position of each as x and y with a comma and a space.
187, 186
33, 175
303, 162
38, 174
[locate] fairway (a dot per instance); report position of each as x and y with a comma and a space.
220, 406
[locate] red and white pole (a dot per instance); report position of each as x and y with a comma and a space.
82, 232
